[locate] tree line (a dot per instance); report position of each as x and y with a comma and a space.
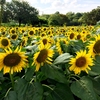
22, 13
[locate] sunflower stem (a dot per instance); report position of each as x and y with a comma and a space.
12, 80
48, 87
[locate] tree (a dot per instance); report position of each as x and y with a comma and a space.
2, 2
92, 17
22, 12
58, 19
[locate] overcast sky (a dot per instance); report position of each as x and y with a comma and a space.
63, 6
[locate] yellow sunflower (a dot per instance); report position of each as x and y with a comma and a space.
4, 42
3, 33
72, 35
59, 44
43, 34
44, 55
31, 32
12, 61
24, 41
12, 30
81, 62
94, 46
45, 41
14, 37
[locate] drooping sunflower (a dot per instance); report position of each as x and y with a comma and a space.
94, 46
4, 42
44, 55
24, 41
12, 61
60, 44
81, 62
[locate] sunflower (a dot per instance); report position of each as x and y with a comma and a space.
43, 34
3, 33
22, 30
44, 55
4, 42
94, 46
24, 41
60, 44
45, 41
80, 36
14, 37
12, 30
12, 61
31, 32
81, 62
72, 35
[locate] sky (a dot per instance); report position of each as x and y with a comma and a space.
63, 6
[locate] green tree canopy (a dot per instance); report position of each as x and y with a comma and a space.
21, 12
58, 19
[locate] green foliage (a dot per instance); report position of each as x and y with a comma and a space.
21, 12
57, 19
64, 58
83, 88
53, 81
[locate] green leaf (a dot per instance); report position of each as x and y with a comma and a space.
53, 73
97, 59
38, 91
28, 91
11, 96
49, 97
96, 84
62, 92
1, 75
95, 69
29, 73
98, 97
59, 92
63, 58
21, 88
83, 89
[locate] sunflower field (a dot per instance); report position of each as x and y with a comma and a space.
50, 63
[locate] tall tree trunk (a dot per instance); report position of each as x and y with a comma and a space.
20, 22
1, 13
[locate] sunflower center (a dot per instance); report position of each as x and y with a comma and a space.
31, 32
43, 35
44, 41
4, 42
80, 62
78, 37
3, 33
96, 48
12, 59
42, 56
14, 36
13, 31
71, 35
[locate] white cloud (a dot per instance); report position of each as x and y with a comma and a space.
46, 1
63, 6
31, 2
57, 3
